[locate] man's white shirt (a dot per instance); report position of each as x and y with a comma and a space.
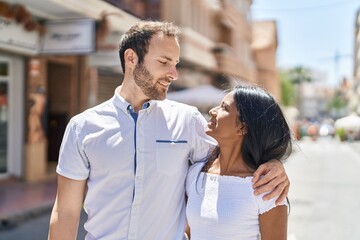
134, 197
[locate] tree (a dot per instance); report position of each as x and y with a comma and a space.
338, 101
290, 81
288, 93
292, 85
299, 75
338, 104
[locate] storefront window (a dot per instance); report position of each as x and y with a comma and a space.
3, 125
4, 68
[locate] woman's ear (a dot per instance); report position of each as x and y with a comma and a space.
131, 58
241, 129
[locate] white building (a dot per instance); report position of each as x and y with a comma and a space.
356, 102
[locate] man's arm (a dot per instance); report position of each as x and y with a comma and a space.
274, 180
273, 224
65, 215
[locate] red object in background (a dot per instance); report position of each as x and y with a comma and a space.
3, 99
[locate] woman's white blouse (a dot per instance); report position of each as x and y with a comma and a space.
223, 207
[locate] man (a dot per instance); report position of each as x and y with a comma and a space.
127, 159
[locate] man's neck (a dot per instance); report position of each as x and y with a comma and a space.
134, 96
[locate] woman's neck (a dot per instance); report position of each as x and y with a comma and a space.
230, 162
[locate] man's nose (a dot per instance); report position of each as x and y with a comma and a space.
173, 74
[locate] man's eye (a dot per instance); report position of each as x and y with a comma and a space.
162, 62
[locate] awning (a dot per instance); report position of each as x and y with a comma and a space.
204, 96
67, 9
349, 123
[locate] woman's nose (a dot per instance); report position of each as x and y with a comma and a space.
212, 112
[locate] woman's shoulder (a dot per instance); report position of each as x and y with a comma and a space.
266, 205
194, 172
196, 168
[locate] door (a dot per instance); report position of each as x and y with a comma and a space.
4, 116
60, 86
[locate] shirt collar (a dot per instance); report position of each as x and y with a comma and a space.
121, 103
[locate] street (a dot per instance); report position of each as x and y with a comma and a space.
36, 229
324, 195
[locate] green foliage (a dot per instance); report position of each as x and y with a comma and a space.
300, 74
338, 101
288, 93
290, 81
341, 133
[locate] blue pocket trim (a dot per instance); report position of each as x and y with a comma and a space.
171, 141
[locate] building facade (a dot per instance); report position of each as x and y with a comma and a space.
356, 96
57, 58
264, 46
357, 49
220, 44
216, 37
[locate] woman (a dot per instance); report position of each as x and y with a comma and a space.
250, 130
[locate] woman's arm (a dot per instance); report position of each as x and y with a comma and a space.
187, 228
273, 224
187, 231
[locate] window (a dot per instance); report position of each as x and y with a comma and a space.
4, 69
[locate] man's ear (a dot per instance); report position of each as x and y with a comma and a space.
131, 58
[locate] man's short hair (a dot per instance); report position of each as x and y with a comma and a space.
138, 38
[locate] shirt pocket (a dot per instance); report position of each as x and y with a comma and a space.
171, 156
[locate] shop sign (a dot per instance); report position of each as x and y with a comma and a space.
69, 37
13, 37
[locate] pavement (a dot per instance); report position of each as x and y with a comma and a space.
355, 145
20, 200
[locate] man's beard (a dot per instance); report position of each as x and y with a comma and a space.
144, 79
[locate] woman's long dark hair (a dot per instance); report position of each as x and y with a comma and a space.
268, 134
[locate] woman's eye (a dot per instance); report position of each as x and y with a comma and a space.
162, 62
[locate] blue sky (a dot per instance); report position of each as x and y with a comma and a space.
311, 32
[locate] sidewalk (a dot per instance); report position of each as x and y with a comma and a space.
356, 146
20, 200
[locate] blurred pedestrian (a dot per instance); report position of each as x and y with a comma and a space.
126, 160
313, 131
250, 129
